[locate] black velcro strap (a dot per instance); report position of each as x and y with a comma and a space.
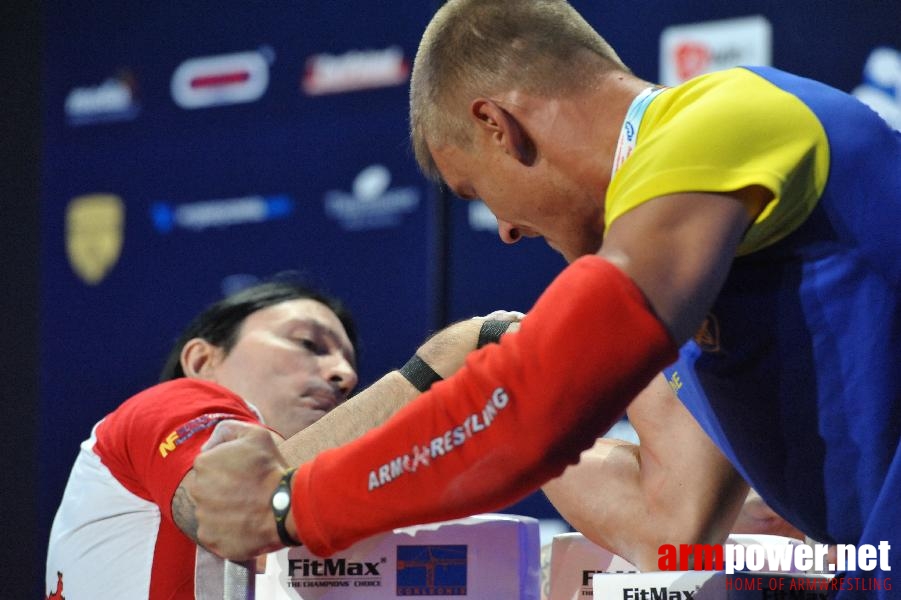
419, 373
491, 332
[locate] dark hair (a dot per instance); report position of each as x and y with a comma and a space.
220, 322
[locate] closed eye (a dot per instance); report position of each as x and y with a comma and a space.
461, 193
311, 346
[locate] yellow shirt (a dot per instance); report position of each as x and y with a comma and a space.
720, 133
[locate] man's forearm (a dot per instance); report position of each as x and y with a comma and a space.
631, 499
369, 408
233, 479
515, 417
444, 352
183, 510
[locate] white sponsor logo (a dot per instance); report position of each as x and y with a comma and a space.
112, 100
480, 217
881, 87
355, 70
687, 51
371, 204
223, 79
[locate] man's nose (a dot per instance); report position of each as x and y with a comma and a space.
341, 373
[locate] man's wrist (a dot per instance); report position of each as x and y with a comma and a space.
491, 331
419, 373
445, 350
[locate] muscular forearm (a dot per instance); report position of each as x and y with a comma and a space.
183, 509
444, 352
515, 417
600, 497
758, 518
347, 422
606, 499
350, 420
225, 476
630, 499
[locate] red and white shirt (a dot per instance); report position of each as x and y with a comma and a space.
113, 535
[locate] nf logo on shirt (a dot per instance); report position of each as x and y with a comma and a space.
220, 80
431, 570
188, 430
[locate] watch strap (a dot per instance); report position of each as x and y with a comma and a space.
281, 508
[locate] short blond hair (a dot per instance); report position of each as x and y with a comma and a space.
482, 47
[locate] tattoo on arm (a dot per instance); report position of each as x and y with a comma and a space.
183, 512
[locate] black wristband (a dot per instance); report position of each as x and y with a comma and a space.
492, 331
419, 373
281, 507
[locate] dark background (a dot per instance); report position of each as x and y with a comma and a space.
73, 351
20, 25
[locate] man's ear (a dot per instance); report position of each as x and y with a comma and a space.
199, 358
504, 129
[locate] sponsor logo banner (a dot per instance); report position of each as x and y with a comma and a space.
113, 100
687, 51
432, 570
372, 204
222, 79
226, 212
881, 87
94, 230
354, 70
480, 217
316, 576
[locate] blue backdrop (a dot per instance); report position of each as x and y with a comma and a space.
189, 150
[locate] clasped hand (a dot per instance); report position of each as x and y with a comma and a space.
234, 478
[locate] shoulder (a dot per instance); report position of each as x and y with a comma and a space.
723, 132
179, 394
732, 102
173, 402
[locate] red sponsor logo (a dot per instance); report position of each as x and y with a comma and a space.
692, 58
355, 70
58, 594
220, 80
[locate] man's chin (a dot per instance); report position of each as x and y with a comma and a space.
569, 258
572, 257
554, 247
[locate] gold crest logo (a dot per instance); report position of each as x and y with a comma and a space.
708, 336
94, 227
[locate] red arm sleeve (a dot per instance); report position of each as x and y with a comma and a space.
514, 417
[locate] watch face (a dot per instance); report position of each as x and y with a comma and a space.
281, 500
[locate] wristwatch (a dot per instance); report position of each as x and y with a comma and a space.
281, 507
